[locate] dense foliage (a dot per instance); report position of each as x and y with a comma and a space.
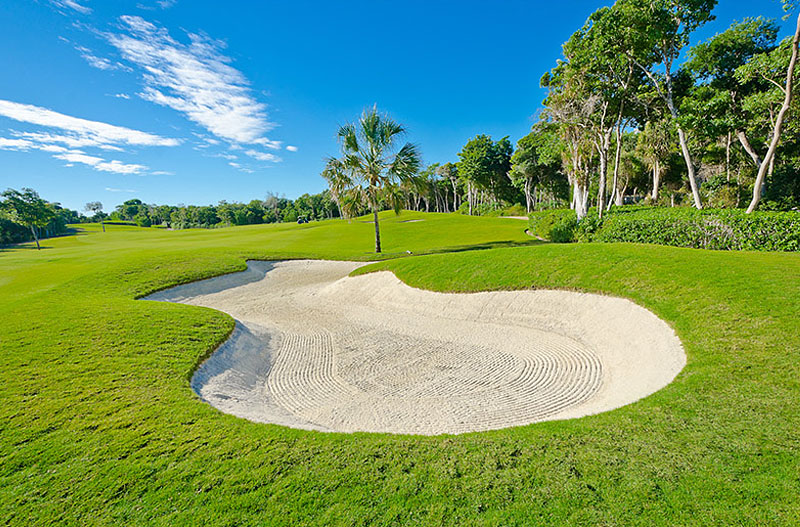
681, 227
24, 216
273, 209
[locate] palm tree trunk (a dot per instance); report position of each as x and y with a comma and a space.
377, 229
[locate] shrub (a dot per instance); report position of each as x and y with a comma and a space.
563, 230
729, 229
541, 223
704, 229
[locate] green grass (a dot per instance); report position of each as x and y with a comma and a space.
98, 424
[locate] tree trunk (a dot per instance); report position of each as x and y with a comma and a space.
656, 180
601, 195
687, 157
728, 157
748, 147
776, 133
528, 195
581, 200
616, 165
35, 237
377, 229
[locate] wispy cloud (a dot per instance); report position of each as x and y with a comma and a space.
98, 163
110, 189
93, 133
73, 133
95, 61
196, 79
262, 156
74, 5
238, 166
291, 148
122, 96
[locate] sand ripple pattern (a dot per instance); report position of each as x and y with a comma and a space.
333, 381
318, 350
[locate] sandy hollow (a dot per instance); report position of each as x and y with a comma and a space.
316, 349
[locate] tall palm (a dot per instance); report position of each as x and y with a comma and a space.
372, 167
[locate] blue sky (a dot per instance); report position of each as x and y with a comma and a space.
191, 101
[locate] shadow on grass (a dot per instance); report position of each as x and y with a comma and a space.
30, 244
503, 244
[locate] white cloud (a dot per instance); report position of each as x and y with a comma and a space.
196, 79
98, 163
119, 167
162, 173
95, 61
79, 157
72, 134
15, 144
291, 148
262, 156
110, 189
122, 96
237, 166
73, 4
81, 132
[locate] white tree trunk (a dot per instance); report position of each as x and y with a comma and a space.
656, 180
776, 132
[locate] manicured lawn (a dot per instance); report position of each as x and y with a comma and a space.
98, 424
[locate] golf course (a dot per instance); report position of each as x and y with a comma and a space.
346, 264
100, 424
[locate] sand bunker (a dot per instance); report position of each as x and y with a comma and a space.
316, 349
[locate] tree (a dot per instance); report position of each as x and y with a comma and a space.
372, 166
449, 172
655, 33
96, 208
654, 146
483, 168
786, 89
534, 164
28, 209
728, 66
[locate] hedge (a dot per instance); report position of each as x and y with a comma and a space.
727, 229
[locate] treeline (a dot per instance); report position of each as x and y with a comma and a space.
719, 129
489, 178
24, 217
625, 122
273, 209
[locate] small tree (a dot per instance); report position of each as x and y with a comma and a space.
28, 209
96, 208
371, 166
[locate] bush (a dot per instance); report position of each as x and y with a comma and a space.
541, 223
563, 230
705, 229
730, 229
515, 210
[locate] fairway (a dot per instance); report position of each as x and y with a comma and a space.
100, 424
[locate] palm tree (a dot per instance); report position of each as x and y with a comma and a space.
371, 167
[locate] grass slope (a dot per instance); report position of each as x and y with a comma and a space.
98, 424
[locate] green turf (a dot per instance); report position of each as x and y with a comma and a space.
98, 424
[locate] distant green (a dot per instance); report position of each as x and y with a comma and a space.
98, 424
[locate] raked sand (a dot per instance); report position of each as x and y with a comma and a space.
316, 349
